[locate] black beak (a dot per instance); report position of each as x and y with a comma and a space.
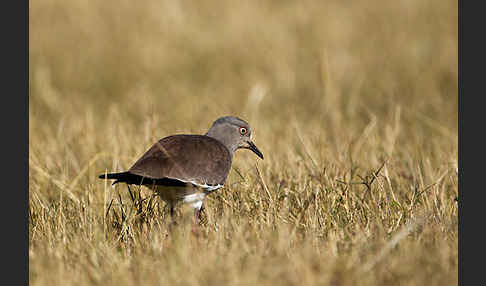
254, 148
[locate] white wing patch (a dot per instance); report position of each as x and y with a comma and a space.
207, 187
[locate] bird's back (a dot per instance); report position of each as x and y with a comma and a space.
195, 158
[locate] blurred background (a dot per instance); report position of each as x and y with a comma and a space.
337, 63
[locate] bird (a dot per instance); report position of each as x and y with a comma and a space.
185, 168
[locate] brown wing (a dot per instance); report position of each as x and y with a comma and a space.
196, 158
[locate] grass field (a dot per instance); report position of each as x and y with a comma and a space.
353, 103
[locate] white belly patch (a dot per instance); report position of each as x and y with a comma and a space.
195, 200
193, 195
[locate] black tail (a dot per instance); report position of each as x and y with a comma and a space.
129, 178
120, 177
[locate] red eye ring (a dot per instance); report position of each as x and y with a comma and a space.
243, 130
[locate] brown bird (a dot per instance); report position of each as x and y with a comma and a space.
186, 168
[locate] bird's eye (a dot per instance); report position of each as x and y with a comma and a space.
243, 130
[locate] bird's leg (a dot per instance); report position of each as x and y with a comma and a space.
171, 211
196, 215
195, 226
172, 216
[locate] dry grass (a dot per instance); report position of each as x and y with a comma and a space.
353, 103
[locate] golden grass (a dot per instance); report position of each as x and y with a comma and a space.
353, 104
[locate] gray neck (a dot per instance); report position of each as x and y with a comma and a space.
222, 134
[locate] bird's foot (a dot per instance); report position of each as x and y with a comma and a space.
195, 230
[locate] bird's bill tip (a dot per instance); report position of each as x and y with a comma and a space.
255, 150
